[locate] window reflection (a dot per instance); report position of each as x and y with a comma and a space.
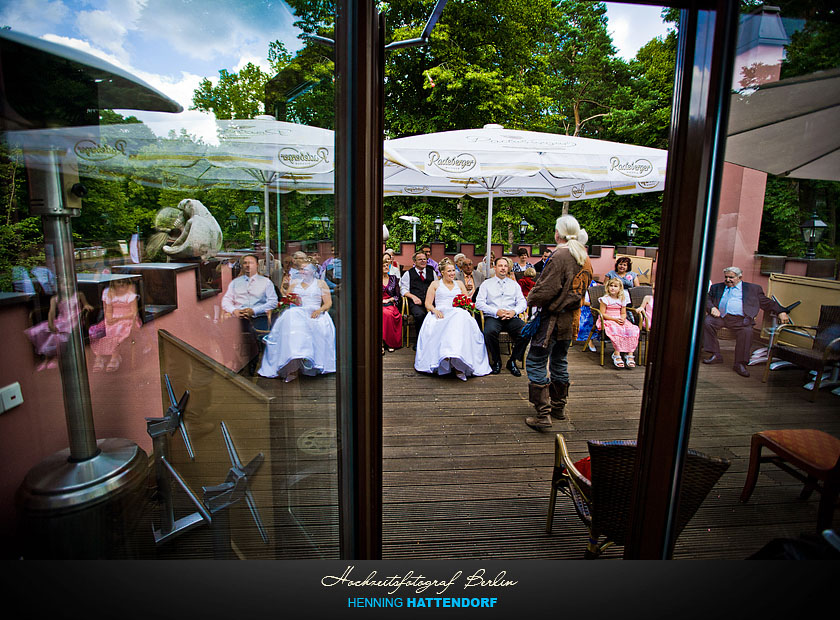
174, 260
778, 175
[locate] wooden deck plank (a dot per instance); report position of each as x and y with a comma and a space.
465, 478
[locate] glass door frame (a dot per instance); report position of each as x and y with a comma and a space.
706, 46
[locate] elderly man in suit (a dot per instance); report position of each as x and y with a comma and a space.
734, 304
472, 279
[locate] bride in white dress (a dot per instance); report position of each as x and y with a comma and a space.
302, 339
450, 339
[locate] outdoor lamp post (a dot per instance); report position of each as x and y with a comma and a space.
812, 231
438, 227
631, 231
523, 228
233, 221
326, 223
254, 214
413, 220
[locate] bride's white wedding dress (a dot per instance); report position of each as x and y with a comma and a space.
454, 342
299, 342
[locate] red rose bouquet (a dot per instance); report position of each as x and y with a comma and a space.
290, 299
462, 301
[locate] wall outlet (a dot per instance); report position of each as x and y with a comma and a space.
10, 397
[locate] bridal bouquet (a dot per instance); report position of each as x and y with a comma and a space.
462, 301
289, 299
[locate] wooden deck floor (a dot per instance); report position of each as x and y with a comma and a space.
465, 478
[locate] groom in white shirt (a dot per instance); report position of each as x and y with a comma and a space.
250, 297
500, 299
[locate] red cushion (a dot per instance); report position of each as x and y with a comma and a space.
584, 467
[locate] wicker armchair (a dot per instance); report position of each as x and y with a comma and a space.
824, 351
603, 504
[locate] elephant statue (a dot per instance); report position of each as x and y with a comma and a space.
190, 230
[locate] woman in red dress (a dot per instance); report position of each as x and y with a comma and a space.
391, 315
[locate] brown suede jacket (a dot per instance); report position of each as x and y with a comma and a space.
558, 293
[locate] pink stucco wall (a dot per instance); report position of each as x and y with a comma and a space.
121, 400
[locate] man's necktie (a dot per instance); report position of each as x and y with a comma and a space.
423, 276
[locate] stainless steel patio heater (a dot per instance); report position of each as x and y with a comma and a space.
75, 503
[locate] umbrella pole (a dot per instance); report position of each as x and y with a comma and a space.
267, 231
489, 230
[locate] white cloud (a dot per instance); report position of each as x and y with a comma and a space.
33, 15
102, 30
631, 26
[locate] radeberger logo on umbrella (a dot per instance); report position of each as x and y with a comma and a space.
299, 159
416, 189
90, 150
648, 184
452, 163
633, 169
577, 191
511, 191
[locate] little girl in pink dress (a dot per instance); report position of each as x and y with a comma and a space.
47, 337
119, 302
621, 332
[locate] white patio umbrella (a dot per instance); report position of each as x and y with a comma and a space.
487, 161
246, 154
788, 128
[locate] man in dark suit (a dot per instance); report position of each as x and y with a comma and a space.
414, 284
734, 304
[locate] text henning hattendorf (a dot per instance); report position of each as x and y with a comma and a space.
420, 582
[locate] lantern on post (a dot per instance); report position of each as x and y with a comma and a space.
523, 228
812, 231
631, 232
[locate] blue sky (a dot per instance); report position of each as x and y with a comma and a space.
172, 44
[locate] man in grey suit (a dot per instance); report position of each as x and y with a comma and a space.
471, 279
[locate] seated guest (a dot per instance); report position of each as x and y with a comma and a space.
484, 269
538, 266
450, 340
526, 282
391, 315
394, 268
500, 299
734, 304
414, 284
622, 333
624, 272
251, 298
522, 261
302, 339
299, 260
459, 259
427, 250
471, 279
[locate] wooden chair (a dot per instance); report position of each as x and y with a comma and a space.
637, 296
407, 321
603, 503
814, 452
595, 293
824, 351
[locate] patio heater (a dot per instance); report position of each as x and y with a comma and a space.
812, 231
523, 228
632, 228
254, 214
75, 501
438, 228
